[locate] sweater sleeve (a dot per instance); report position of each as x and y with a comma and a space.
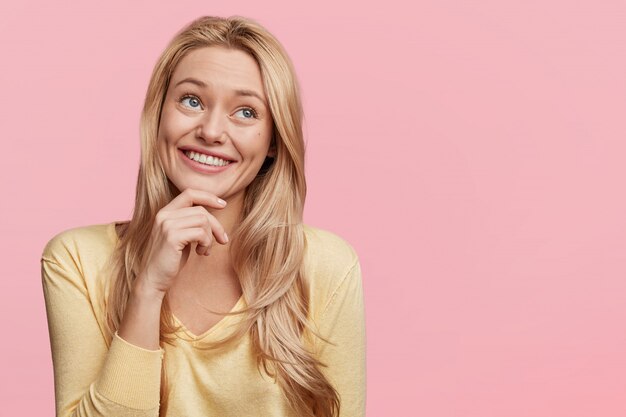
343, 324
90, 379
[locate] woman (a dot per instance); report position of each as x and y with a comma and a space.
214, 299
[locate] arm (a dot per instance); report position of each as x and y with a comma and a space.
89, 378
343, 323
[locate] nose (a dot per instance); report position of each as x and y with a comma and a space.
212, 126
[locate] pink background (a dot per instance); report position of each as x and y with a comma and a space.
472, 152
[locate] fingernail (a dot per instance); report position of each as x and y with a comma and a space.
222, 202
225, 237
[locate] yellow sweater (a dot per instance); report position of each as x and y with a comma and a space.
94, 379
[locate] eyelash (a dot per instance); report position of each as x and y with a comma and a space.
255, 114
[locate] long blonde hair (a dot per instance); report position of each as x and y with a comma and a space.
268, 245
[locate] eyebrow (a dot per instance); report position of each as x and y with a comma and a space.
238, 92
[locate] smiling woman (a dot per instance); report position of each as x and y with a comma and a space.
214, 107
214, 299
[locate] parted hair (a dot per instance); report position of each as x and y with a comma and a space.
268, 244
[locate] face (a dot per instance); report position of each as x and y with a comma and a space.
216, 127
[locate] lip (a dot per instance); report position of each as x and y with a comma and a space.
197, 166
212, 153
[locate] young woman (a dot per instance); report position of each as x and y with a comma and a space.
214, 299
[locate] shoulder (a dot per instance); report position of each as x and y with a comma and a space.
329, 261
328, 248
80, 247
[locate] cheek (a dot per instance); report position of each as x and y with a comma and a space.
264, 137
262, 145
165, 127
166, 137
172, 126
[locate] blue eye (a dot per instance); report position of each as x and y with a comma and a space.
248, 113
191, 102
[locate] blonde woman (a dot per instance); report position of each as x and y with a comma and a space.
214, 299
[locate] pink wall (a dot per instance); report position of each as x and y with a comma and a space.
472, 152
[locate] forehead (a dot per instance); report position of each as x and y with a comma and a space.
220, 67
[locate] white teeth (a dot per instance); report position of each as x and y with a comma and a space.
206, 159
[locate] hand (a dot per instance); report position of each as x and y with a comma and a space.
176, 227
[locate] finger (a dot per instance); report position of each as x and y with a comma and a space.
191, 196
203, 250
216, 227
197, 217
194, 234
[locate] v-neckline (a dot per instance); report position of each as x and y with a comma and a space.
217, 326
183, 328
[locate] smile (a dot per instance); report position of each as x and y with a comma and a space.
206, 159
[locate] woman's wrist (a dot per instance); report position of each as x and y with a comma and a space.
145, 291
141, 322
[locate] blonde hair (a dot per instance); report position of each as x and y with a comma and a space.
268, 245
